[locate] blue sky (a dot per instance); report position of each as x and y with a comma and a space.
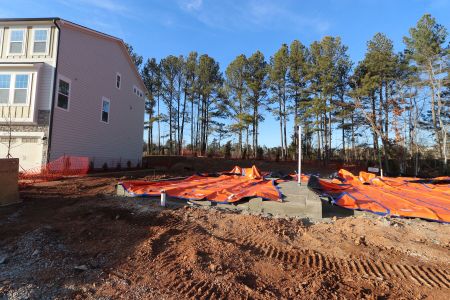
224, 29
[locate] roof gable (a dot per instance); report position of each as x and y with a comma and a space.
62, 22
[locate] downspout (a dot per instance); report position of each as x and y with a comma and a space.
52, 107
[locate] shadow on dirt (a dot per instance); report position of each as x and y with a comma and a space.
57, 245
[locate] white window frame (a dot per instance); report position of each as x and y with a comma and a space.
63, 78
120, 82
9, 89
47, 42
24, 40
2, 31
28, 89
104, 99
12, 88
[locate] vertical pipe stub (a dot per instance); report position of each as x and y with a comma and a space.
299, 174
163, 198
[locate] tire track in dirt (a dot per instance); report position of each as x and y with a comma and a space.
186, 285
197, 289
420, 275
183, 284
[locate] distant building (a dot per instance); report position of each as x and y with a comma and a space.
68, 90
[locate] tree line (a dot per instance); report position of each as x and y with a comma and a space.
387, 106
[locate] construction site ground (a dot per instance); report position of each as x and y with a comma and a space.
75, 238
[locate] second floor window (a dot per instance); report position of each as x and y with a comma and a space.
5, 83
63, 94
105, 110
118, 80
40, 41
16, 42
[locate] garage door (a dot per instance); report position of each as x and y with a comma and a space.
28, 149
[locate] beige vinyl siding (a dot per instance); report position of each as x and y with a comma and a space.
91, 63
28, 55
43, 91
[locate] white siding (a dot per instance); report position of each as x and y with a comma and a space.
45, 75
91, 63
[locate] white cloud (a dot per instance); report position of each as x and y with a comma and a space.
108, 5
102, 15
191, 5
254, 15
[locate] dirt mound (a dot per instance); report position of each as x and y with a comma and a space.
73, 239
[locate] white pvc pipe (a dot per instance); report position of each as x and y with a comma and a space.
299, 174
163, 198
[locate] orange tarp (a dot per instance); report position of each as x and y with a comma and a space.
224, 189
252, 173
402, 196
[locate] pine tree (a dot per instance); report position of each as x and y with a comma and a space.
235, 86
278, 72
191, 89
169, 74
425, 47
255, 77
152, 79
136, 58
209, 83
298, 80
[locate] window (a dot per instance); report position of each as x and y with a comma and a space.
105, 110
138, 92
14, 89
118, 80
21, 89
16, 41
63, 94
40, 44
5, 83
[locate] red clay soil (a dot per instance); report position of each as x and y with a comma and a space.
74, 239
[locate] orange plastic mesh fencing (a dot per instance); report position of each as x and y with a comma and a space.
401, 196
64, 166
223, 189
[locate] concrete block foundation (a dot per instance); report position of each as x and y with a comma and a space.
299, 201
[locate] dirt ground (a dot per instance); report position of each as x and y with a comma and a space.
75, 239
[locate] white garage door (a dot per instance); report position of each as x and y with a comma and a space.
28, 149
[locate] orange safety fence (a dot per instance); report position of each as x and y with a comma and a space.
401, 196
226, 188
64, 166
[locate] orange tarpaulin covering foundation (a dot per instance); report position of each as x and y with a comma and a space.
223, 189
401, 196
